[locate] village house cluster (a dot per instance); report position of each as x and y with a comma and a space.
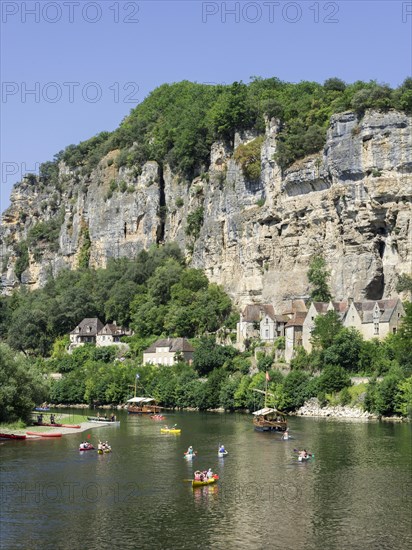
373, 319
295, 323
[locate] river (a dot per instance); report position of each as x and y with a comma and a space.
354, 494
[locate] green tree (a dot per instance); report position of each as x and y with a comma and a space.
345, 349
209, 356
318, 277
21, 386
333, 379
326, 329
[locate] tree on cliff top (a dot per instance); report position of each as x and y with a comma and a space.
318, 277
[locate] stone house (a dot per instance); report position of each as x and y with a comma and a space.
293, 334
260, 321
92, 331
85, 332
168, 351
111, 334
375, 319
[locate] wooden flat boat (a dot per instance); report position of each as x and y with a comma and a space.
142, 405
269, 420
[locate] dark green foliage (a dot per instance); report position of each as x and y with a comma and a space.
177, 123
318, 276
46, 233
326, 328
402, 341
301, 359
404, 283
295, 389
209, 356
333, 379
22, 261
249, 157
381, 397
265, 363
345, 350
194, 223
21, 386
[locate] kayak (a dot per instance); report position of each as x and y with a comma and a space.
89, 448
304, 458
101, 451
40, 434
221, 455
11, 436
170, 431
189, 456
210, 481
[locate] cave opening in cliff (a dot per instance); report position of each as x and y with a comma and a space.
375, 289
160, 231
381, 248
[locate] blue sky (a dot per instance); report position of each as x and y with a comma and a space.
87, 64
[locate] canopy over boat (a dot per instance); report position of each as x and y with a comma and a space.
266, 411
140, 400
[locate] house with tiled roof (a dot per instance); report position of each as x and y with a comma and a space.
168, 351
85, 332
260, 321
375, 318
111, 334
293, 333
92, 331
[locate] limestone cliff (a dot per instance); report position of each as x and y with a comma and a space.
351, 202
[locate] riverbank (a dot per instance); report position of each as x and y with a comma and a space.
312, 408
63, 419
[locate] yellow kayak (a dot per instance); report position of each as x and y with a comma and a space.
202, 483
170, 431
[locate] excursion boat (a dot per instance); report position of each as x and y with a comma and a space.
11, 436
42, 409
143, 405
196, 483
170, 430
40, 434
269, 420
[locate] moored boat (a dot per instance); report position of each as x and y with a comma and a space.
41, 434
42, 409
102, 420
11, 436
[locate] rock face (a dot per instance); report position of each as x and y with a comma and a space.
351, 202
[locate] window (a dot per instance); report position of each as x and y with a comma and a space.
394, 330
267, 333
376, 326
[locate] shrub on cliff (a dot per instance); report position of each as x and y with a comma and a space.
249, 157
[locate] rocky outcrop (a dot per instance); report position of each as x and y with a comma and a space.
351, 202
312, 408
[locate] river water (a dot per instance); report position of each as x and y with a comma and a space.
356, 493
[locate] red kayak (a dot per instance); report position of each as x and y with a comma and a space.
89, 448
51, 434
12, 436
